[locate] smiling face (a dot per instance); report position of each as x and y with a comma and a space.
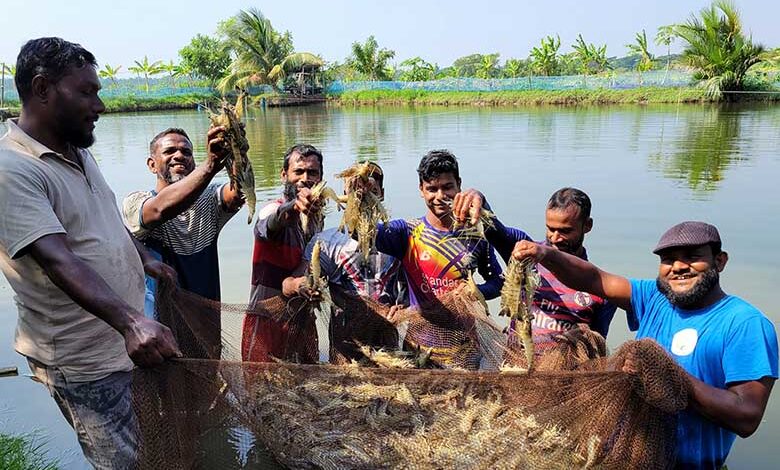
689, 276
171, 159
76, 105
438, 194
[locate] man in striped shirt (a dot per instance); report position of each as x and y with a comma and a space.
181, 218
279, 245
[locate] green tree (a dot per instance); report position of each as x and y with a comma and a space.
488, 67
448, 72
417, 70
513, 68
717, 48
109, 73
262, 55
370, 61
639, 48
664, 37
467, 66
207, 58
544, 58
147, 69
592, 59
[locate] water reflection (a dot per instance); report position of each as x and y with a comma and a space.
707, 148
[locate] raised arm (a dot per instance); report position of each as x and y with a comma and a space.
468, 204
176, 198
232, 199
147, 342
577, 273
288, 212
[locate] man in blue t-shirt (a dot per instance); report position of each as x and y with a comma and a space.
728, 347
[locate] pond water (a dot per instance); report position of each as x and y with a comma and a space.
644, 167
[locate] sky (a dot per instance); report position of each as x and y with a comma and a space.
438, 31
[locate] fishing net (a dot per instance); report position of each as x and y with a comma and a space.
576, 409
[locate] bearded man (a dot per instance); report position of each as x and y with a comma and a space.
77, 275
278, 250
180, 219
727, 346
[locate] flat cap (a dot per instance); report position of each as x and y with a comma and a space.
688, 233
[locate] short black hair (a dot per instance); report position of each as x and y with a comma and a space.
50, 57
568, 197
170, 130
436, 163
304, 150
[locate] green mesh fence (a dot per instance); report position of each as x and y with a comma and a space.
621, 80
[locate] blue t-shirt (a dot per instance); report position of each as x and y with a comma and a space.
729, 341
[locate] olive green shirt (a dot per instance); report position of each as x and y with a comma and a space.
43, 193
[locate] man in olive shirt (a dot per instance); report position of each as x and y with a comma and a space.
77, 274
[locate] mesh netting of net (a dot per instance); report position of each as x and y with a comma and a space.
578, 408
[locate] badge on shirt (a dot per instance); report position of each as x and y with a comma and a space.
684, 342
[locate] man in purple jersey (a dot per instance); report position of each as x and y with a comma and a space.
558, 308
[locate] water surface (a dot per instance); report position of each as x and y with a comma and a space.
644, 167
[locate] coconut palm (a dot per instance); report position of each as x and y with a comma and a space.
717, 48
109, 73
261, 54
664, 37
544, 58
371, 61
639, 48
147, 69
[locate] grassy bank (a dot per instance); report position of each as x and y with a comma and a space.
643, 95
133, 103
23, 453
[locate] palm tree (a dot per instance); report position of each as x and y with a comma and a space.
370, 61
183, 71
664, 37
147, 69
544, 58
717, 48
487, 68
646, 59
109, 73
262, 55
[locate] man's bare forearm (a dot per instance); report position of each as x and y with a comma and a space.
574, 272
81, 283
178, 197
146, 257
738, 409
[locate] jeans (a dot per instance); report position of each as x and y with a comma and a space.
100, 412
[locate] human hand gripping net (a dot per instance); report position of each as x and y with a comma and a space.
576, 409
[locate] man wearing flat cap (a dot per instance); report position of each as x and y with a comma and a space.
728, 347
